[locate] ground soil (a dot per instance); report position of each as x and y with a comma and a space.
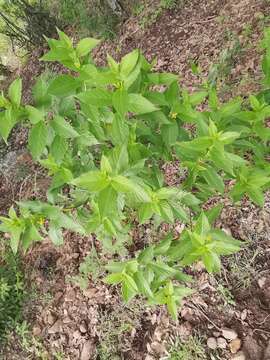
93, 323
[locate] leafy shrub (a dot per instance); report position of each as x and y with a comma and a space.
102, 136
11, 293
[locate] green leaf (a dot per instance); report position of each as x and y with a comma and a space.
213, 179
202, 225
34, 114
130, 283
163, 246
145, 212
15, 92
166, 211
211, 261
37, 139
146, 256
92, 181
105, 165
172, 307
138, 104
64, 85
256, 195
214, 213
114, 279
128, 63
162, 78
120, 101
58, 148
86, 45
63, 128
55, 234
125, 185
143, 284
170, 133
107, 201
7, 122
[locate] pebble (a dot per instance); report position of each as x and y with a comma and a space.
83, 328
55, 328
36, 331
235, 345
229, 334
261, 282
244, 315
221, 343
212, 343
50, 319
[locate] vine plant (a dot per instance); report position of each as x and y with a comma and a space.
102, 135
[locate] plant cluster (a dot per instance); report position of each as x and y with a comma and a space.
103, 134
11, 292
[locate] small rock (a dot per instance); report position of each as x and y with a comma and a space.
229, 334
36, 331
261, 282
50, 319
239, 356
235, 345
83, 328
221, 343
76, 335
216, 334
212, 343
88, 350
244, 315
187, 314
57, 326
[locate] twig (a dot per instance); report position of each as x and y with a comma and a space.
205, 316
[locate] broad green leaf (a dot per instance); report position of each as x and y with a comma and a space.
142, 284
138, 104
8, 120
92, 181
213, 179
15, 92
125, 185
128, 63
162, 78
86, 45
34, 114
63, 128
107, 201
212, 262
146, 256
64, 85
145, 212
113, 279
120, 101
58, 148
256, 195
38, 139
55, 234
166, 211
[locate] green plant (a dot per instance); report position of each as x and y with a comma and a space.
103, 134
91, 265
226, 295
190, 349
11, 292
